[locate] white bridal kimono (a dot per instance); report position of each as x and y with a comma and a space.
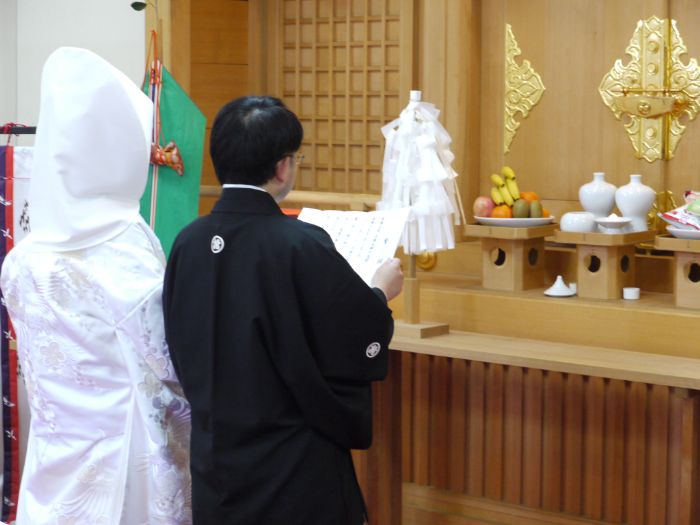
109, 433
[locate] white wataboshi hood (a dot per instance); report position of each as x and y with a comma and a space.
91, 154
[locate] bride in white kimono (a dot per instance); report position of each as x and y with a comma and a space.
109, 432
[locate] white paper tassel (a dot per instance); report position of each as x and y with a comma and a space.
417, 172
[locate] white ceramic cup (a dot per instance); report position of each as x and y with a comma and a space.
631, 294
578, 221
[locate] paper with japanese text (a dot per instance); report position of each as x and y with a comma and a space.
365, 238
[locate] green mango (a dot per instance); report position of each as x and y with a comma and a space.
535, 209
521, 209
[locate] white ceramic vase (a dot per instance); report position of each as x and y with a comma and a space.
635, 200
597, 196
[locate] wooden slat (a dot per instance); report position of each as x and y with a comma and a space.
407, 405
675, 452
552, 441
513, 435
475, 429
438, 449
614, 451
457, 422
573, 444
532, 438
421, 419
594, 403
657, 455
635, 457
494, 432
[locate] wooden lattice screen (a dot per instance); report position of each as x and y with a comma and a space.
340, 73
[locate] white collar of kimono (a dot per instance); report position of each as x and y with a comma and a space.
91, 153
245, 186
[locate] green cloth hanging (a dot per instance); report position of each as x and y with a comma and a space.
177, 197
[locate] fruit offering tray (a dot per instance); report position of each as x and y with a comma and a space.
603, 239
506, 232
670, 243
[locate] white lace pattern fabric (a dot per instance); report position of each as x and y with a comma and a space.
109, 433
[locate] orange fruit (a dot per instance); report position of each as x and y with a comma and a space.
529, 196
502, 212
545, 212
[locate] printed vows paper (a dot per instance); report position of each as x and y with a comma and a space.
365, 239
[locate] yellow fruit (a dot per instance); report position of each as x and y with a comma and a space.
501, 185
513, 188
497, 180
496, 196
507, 172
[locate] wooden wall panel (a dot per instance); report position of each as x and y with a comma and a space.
218, 66
595, 449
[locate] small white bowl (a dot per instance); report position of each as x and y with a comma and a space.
631, 293
578, 221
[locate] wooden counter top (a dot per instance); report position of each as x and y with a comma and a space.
626, 365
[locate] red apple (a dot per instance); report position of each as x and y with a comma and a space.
483, 206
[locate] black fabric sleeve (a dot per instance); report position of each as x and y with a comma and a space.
334, 344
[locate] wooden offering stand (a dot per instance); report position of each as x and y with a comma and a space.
605, 262
686, 287
512, 258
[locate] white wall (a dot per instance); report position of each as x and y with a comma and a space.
8, 61
110, 28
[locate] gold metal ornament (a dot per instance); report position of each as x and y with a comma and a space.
654, 89
524, 88
665, 201
426, 260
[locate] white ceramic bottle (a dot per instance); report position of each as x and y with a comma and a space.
597, 196
635, 200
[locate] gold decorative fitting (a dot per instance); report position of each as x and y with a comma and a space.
524, 88
654, 89
426, 260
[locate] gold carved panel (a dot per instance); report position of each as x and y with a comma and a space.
523, 89
654, 89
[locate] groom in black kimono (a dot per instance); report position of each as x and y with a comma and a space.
274, 337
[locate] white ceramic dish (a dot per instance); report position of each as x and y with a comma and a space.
613, 222
683, 234
514, 223
578, 221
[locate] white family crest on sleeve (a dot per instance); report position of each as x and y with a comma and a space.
373, 350
217, 244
